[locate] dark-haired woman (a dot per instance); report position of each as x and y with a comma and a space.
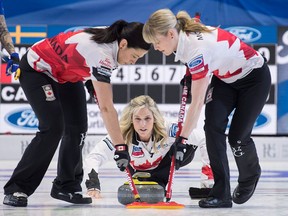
52, 75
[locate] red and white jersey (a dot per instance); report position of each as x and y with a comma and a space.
219, 53
144, 156
73, 57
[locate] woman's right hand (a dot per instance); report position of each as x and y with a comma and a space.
93, 185
94, 193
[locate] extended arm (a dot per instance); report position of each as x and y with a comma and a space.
108, 111
198, 92
5, 37
110, 117
102, 152
7, 43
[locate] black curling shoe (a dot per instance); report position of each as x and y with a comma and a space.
17, 199
242, 194
75, 198
212, 202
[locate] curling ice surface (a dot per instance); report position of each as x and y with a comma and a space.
271, 195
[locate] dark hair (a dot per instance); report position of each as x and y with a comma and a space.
119, 30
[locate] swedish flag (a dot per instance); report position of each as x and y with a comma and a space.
27, 34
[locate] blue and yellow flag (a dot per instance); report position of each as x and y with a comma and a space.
27, 34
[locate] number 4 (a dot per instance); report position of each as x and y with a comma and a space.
120, 74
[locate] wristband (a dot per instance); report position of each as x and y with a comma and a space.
121, 147
182, 140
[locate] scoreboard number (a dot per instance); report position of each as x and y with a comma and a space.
155, 74
174, 73
148, 74
120, 75
137, 74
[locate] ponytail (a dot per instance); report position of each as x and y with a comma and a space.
119, 30
188, 24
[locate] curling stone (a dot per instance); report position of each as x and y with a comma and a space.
149, 191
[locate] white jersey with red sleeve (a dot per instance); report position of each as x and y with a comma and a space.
218, 52
73, 57
144, 156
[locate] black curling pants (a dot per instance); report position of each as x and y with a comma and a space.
62, 114
246, 97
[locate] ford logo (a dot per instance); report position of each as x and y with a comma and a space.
246, 34
23, 118
261, 121
173, 130
195, 63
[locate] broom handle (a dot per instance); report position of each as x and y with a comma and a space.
181, 115
180, 124
132, 185
170, 179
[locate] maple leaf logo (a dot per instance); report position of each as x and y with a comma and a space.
235, 43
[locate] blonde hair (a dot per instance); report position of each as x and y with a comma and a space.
126, 126
162, 20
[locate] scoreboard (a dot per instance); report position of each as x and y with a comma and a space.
154, 75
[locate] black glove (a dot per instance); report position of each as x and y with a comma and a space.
12, 64
179, 149
121, 156
93, 181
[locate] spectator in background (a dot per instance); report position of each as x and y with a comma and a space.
7, 43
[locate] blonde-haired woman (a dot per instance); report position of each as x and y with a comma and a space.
239, 80
149, 138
